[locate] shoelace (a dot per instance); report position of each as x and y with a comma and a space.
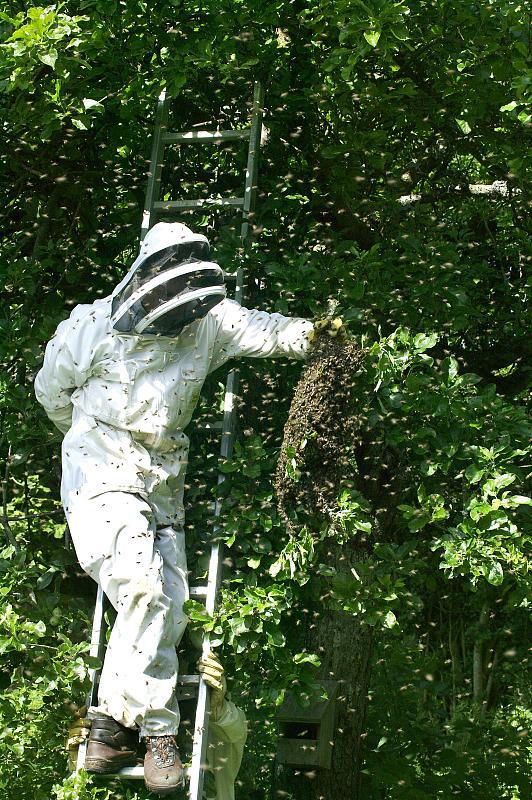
164, 750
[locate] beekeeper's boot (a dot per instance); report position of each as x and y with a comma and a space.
163, 770
111, 746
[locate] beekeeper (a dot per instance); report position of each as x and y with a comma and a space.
121, 378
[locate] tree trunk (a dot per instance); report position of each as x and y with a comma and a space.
344, 647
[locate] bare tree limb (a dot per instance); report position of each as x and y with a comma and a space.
496, 189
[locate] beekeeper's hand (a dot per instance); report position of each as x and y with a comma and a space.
331, 326
77, 733
214, 676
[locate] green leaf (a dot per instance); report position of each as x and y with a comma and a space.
501, 481
416, 519
92, 662
251, 470
277, 638
35, 13
48, 58
450, 368
372, 37
470, 379
400, 32
474, 473
495, 574
428, 468
424, 341
88, 103
479, 510
509, 106
78, 123
464, 125
39, 628
307, 658
520, 500
332, 150
275, 568
46, 579
390, 620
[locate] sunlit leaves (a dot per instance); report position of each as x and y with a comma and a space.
451, 419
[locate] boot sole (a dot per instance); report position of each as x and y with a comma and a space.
102, 767
164, 790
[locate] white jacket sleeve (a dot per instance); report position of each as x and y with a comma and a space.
257, 334
226, 740
67, 361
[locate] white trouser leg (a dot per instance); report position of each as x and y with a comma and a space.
143, 573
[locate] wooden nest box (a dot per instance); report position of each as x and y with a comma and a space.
306, 735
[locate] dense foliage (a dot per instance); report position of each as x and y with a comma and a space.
382, 119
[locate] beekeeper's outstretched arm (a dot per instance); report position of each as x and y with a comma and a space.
67, 361
256, 334
227, 730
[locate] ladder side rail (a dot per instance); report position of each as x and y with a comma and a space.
156, 164
250, 191
201, 724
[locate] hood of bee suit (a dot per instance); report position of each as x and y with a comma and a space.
169, 285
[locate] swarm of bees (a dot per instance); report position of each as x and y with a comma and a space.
321, 433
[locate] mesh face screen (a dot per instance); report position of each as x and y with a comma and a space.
180, 285
173, 322
177, 254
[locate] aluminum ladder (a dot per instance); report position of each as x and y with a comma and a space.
154, 208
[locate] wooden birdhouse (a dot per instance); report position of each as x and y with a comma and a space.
306, 735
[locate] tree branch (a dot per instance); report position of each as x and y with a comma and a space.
496, 189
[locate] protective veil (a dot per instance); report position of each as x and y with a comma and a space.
169, 286
121, 378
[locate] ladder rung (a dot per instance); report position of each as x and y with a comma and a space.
135, 773
188, 680
198, 591
193, 137
173, 205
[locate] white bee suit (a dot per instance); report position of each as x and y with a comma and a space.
226, 740
123, 401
